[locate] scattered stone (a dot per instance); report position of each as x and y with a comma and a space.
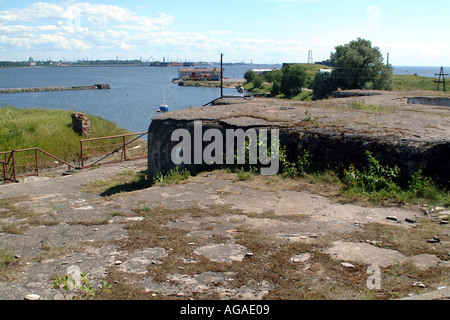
301, 258
118, 262
419, 284
249, 254
85, 208
392, 218
135, 218
32, 297
434, 240
347, 265
410, 220
443, 221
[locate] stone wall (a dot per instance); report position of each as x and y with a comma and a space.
81, 124
325, 145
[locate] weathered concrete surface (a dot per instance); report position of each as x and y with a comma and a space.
334, 131
61, 226
435, 101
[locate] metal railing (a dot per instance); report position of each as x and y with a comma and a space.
29, 162
117, 149
35, 162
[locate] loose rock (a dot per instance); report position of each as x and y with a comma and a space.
347, 265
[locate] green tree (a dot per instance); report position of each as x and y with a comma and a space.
275, 88
258, 81
249, 75
293, 80
358, 65
323, 85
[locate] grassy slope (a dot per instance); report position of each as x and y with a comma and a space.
414, 83
50, 130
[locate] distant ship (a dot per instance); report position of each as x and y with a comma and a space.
171, 64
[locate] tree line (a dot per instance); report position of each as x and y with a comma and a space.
356, 65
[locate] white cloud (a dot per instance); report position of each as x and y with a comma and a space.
102, 30
82, 26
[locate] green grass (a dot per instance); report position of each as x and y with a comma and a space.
414, 83
49, 130
304, 96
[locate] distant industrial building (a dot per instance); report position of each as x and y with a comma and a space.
212, 74
263, 71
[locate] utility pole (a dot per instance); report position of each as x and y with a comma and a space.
221, 75
441, 74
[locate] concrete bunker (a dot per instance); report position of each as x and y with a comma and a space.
327, 144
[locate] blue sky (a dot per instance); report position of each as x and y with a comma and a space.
413, 32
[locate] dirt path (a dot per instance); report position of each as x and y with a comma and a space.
214, 237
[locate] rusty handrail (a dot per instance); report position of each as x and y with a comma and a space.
36, 150
111, 137
122, 145
11, 159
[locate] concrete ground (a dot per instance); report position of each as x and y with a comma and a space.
212, 236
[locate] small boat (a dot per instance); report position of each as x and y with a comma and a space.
164, 107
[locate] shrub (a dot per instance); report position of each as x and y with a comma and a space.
323, 85
293, 80
249, 75
258, 81
374, 178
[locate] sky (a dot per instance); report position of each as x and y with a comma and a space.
260, 31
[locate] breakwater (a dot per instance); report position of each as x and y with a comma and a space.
44, 89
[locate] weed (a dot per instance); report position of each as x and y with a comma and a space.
82, 290
376, 182
174, 176
6, 257
300, 168
375, 178
308, 116
246, 174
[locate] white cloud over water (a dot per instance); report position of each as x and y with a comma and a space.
87, 30
263, 31
77, 27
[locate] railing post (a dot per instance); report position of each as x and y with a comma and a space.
82, 156
37, 162
124, 148
14, 166
4, 169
